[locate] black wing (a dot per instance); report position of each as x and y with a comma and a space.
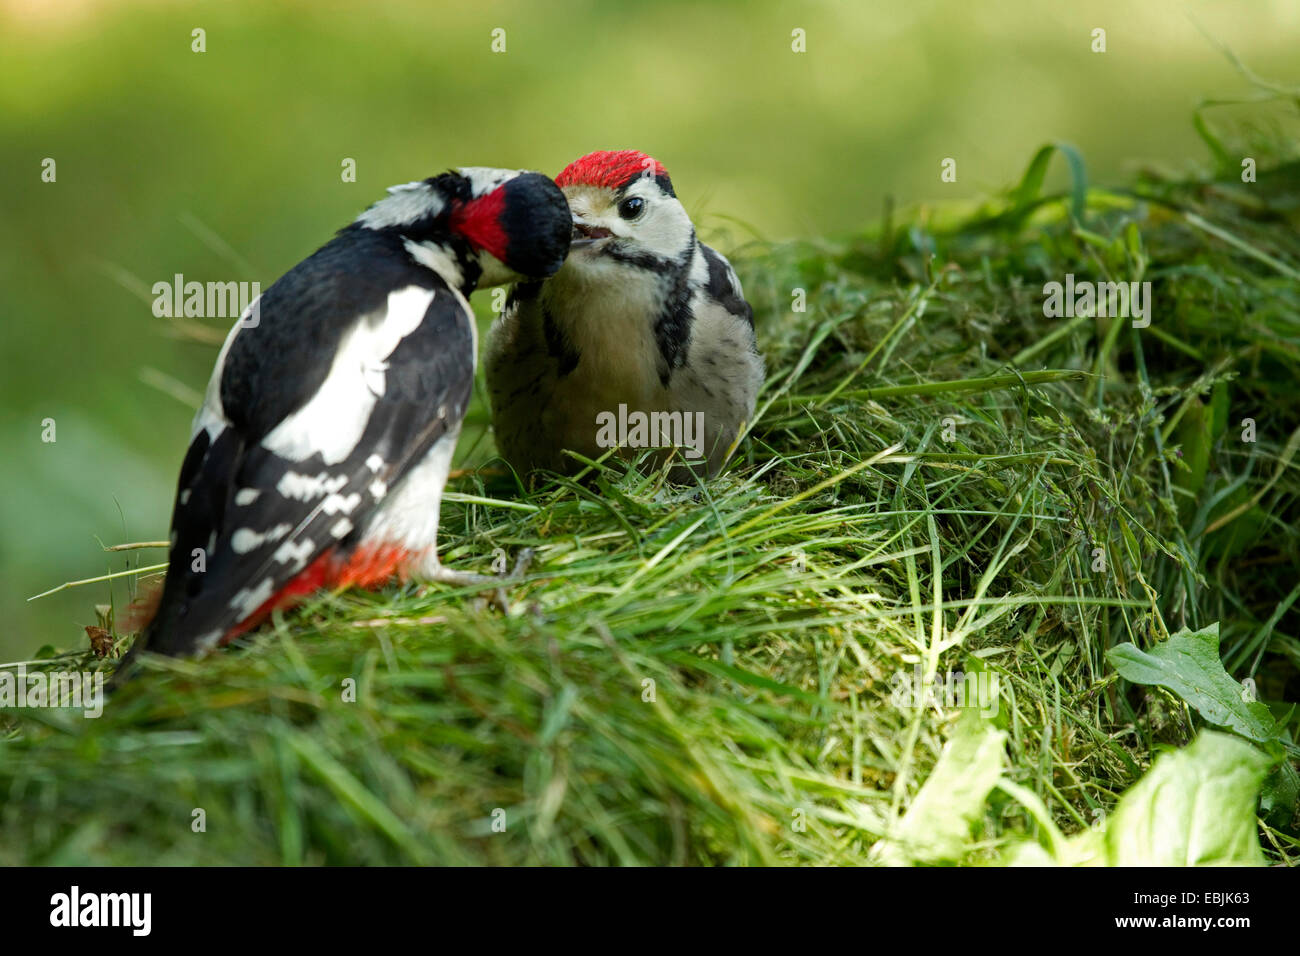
725, 287
249, 519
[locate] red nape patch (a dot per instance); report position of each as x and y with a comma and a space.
614, 168
366, 567
479, 221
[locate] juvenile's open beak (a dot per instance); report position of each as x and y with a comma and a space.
584, 234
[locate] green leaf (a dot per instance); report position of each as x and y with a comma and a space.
1281, 791
937, 826
1188, 664
1195, 807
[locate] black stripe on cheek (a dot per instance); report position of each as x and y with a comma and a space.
642, 260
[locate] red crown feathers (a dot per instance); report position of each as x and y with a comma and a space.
613, 168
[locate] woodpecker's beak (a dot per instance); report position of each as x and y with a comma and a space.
584, 234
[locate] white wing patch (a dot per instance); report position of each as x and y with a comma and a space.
336, 503
248, 600
405, 203
295, 553
245, 540
334, 419
306, 487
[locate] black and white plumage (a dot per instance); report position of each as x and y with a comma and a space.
642, 316
322, 447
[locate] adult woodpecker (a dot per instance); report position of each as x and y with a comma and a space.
320, 453
642, 319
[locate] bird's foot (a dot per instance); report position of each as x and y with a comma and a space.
495, 583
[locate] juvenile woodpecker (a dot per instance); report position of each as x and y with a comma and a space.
644, 324
319, 456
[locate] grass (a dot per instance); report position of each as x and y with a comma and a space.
939, 478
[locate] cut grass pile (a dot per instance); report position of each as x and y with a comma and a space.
940, 479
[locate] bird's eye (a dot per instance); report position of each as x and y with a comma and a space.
631, 207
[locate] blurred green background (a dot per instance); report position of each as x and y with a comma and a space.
225, 165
